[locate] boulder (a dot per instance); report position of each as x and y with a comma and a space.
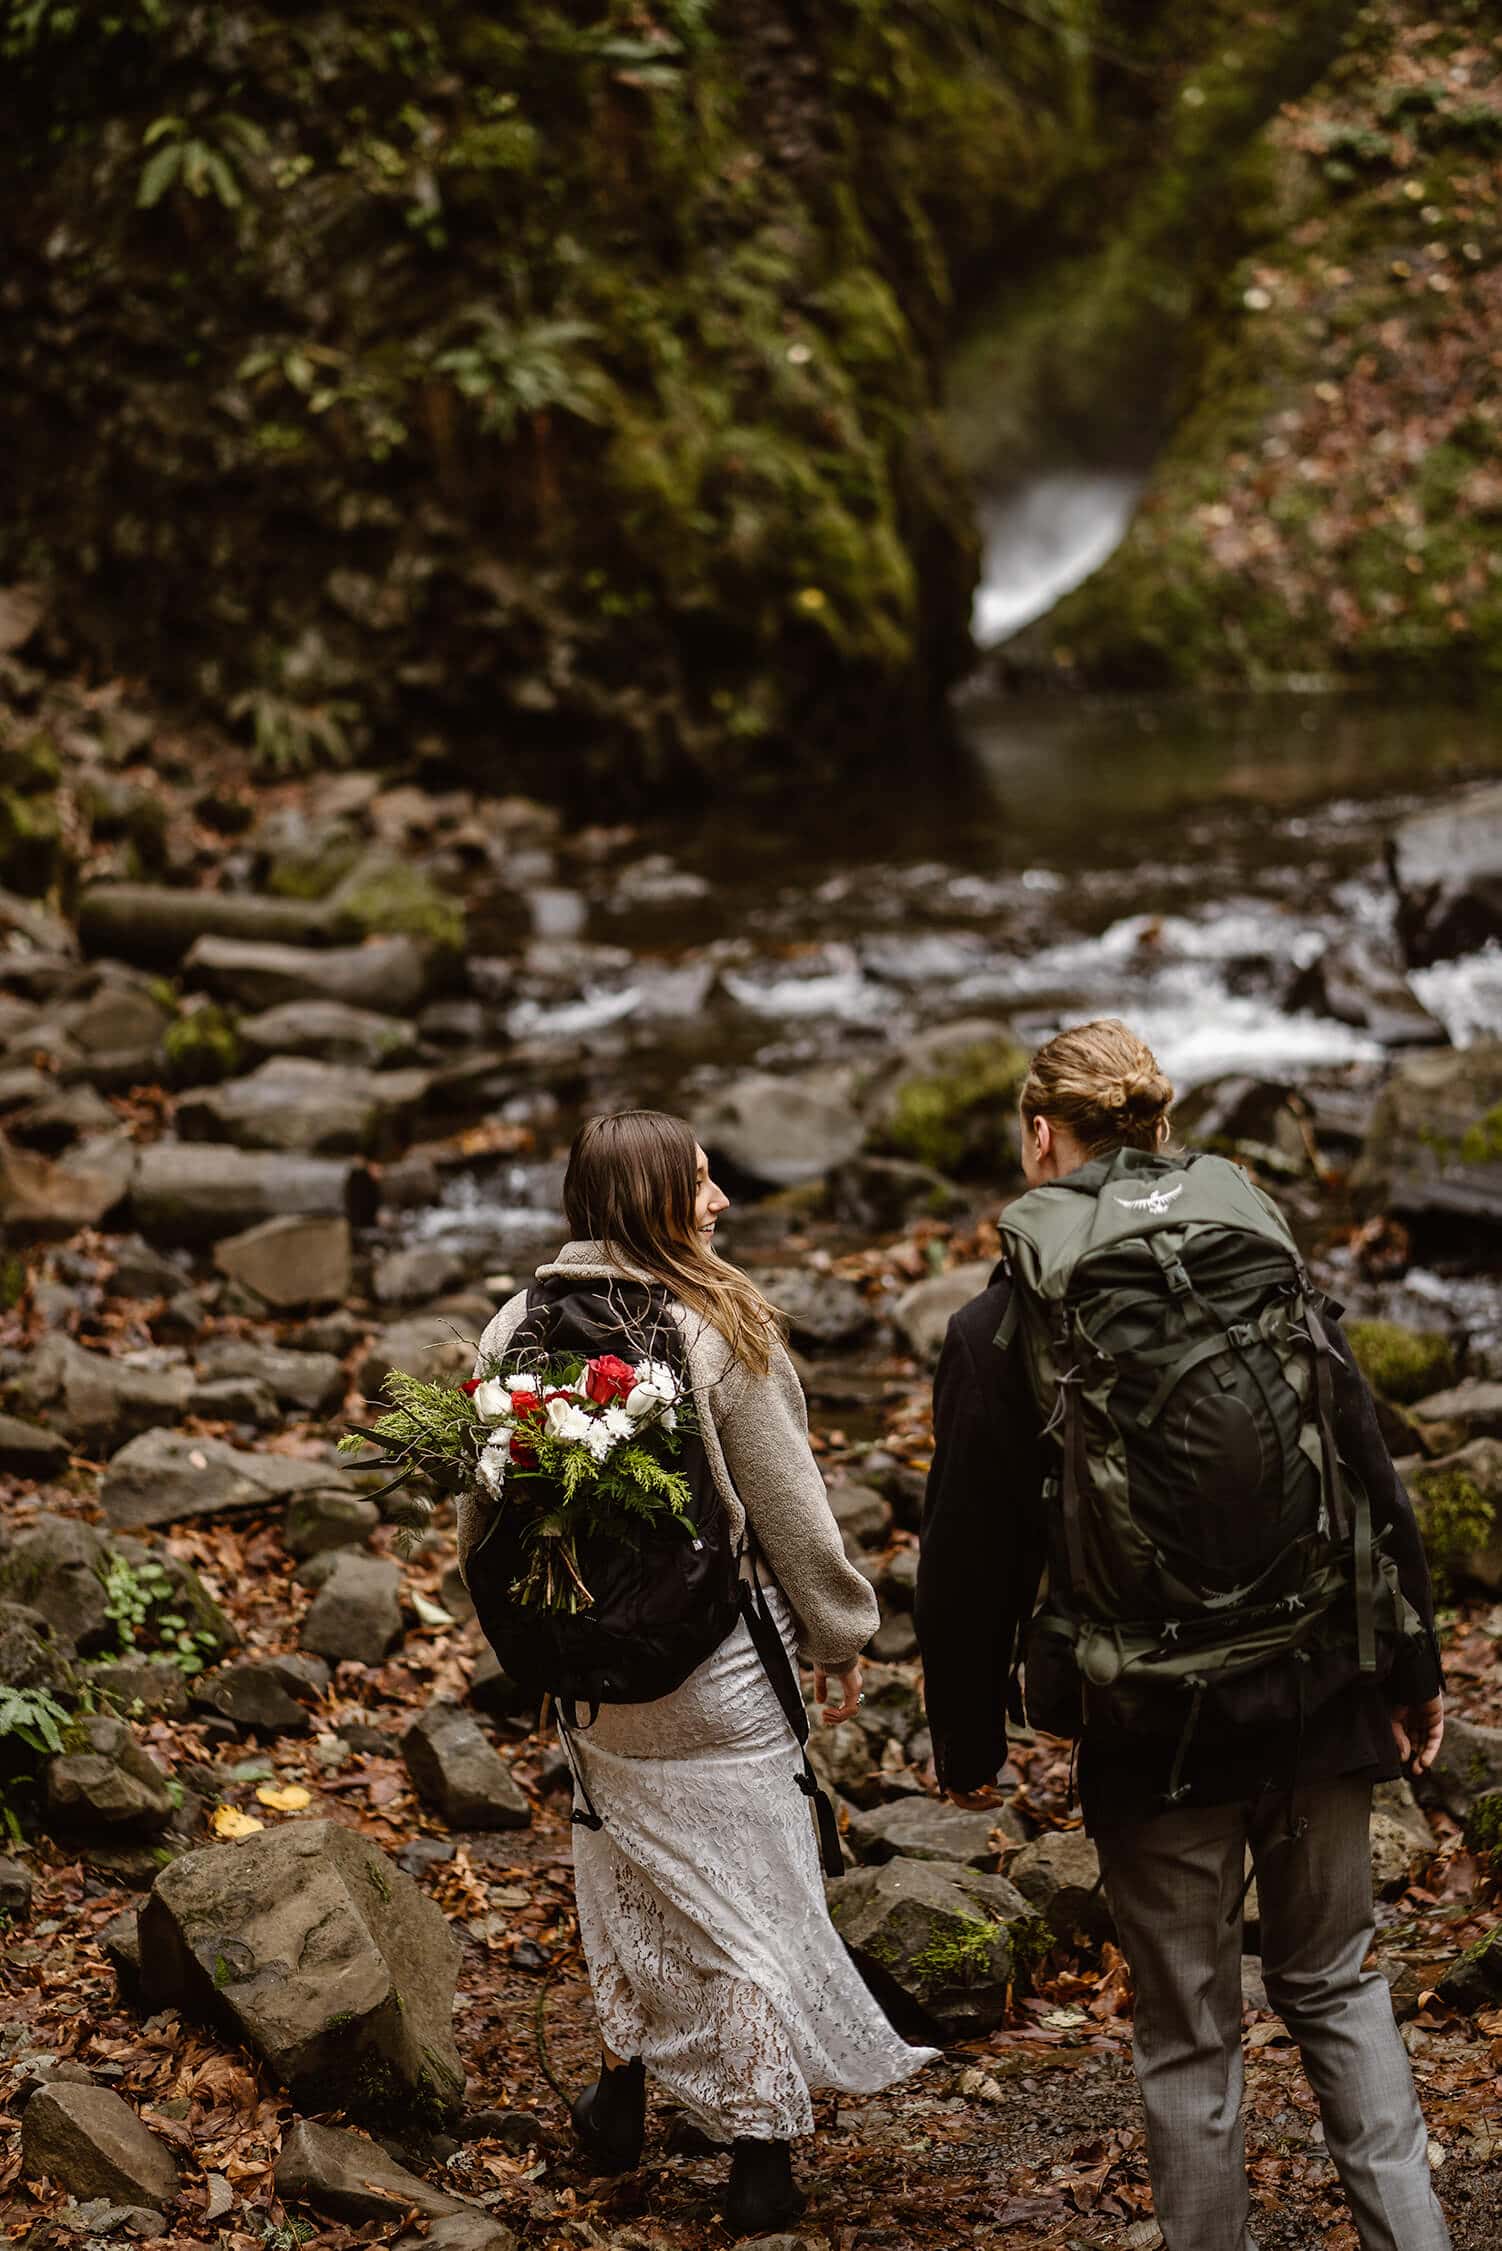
924, 1311
104, 1780
1473, 1981
166, 1475
267, 1695
351, 2178
1059, 1874
862, 1514
1472, 1409
768, 1132
235, 1399
187, 1192
1399, 1363
313, 1381
99, 1399
315, 1523
881, 1195
26, 1450
90, 2141
290, 1262
324, 1957
946, 1937
1356, 983
1483, 1824
418, 1274
1468, 1767
295, 1104
823, 1313
42, 1197
924, 1828
15, 1890
331, 1032
387, 975
1446, 866
154, 923
951, 1101
1433, 1150
357, 1612
430, 1345
457, 1771
56, 1568
1393, 1852
141, 1271
1458, 1502
30, 1657
141, 1687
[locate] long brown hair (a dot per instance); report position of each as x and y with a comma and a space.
631, 1185
1102, 1083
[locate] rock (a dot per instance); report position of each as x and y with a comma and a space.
97, 1399
166, 1475
264, 1693
1473, 1981
1468, 1766
895, 1640
770, 1132
924, 1828
56, 1568
1433, 1151
311, 1380
235, 1399
142, 1272
1399, 1363
30, 1657
881, 1195
290, 1262
1393, 1853
1397, 1801
141, 1687
315, 1523
153, 923
1483, 1824
90, 2141
1356, 985
416, 1275
297, 1105
15, 1890
324, 1957
119, 1941
924, 1311
331, 1032
1059, 1874
351, 2178
1458, 1502
387, 975
1446, 866
357, 1612
26, 1450
949, 1939
107, 1782
457, 1771
1472, 1409
186, 1192
461, 2231
43, 1197
951, 1102
861, 1513
431, 1345
823, 1313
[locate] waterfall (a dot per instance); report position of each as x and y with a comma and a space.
1042, 540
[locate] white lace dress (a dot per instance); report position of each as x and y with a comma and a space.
701, 1906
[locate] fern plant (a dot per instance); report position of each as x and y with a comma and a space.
203, 160
33, 1719
515, 370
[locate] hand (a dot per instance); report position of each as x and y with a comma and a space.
849, 1685
978, 1801
1418, 1730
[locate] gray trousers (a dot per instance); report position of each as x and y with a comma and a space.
1173, 1882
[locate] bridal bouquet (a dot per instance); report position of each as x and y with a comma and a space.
577, 1448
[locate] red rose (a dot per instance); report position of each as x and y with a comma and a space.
469, 1389
608, 1379
523, 1456
525, 1404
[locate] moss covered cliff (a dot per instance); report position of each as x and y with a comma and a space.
1331, 500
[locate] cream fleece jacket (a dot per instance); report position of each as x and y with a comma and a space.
755, 1433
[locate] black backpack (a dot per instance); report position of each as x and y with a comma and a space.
663, 1603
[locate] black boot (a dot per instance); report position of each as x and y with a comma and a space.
762, 2193
610, 2118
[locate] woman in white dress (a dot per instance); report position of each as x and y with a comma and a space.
713, 1962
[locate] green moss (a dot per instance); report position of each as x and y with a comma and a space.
1483, 1826
1402, 1364
394, 898
1456, 1518
380, 1883
29, 763
961, 1118
1481, 1143
33, 858
960, 1952
201, 1048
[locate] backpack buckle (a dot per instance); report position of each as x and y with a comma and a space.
1243, 1335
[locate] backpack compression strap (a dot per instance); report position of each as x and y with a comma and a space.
768, 1642
1352, 1514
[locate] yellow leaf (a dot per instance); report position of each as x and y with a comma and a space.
229, 1821
289, 1798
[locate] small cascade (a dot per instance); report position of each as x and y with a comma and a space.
1042, 540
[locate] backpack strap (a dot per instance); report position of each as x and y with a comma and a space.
1353, 1515
772, 1651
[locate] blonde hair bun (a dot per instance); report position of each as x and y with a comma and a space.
1104, 1084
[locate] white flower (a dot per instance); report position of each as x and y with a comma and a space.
619, 1424
656, 1387
491, 1468
597, 1439
492, 1399
521, 1383
565, 1420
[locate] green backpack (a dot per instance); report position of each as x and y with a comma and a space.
1212, 1564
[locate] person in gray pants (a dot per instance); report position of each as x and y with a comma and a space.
1174, 1822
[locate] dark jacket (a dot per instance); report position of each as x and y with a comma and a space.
981, 1563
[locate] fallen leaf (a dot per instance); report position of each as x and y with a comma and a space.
289, 1797
229, 1821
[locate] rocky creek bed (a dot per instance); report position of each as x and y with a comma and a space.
284, 1100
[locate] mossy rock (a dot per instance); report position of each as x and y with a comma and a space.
947, 1939
201, 1048
33, 857
29, 765
1400, 1363
953, 1104
1474, 1979
1456, 1500
1483, 1827
386, 898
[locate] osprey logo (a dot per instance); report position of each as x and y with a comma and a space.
1157, 1202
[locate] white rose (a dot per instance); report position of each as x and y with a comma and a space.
492, 1399
565, 1420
